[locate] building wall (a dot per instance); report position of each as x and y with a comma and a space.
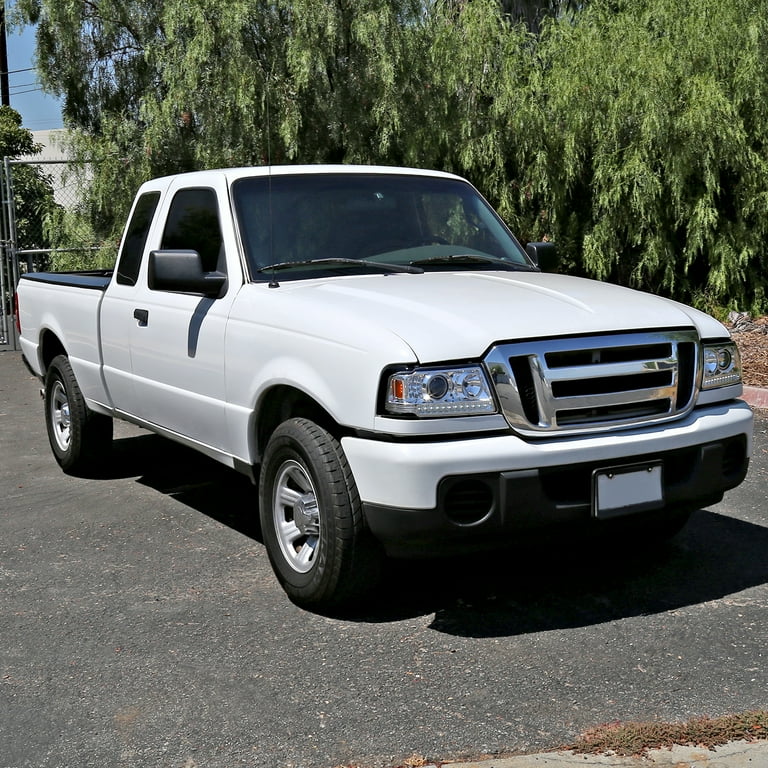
65, 188
51, 141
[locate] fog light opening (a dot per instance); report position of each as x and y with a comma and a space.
468, 501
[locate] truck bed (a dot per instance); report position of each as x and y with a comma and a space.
97, 279
67, 311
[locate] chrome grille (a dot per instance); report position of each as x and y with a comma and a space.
594, 383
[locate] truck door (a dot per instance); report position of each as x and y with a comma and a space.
176, 339
117, 306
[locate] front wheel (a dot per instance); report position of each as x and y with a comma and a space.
79, 438
312, 519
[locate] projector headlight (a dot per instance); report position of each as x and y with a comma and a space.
432, 392
722, 365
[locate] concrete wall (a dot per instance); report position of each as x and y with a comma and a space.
66, 190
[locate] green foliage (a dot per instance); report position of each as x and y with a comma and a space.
349, 78
631, 133
662, 117
484, 69
112, 166
33, 200
15, 140
33, 192
73, 242
93, 53
218, 62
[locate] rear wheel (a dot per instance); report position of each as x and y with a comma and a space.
312, 519
79, 438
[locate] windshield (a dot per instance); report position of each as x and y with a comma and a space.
311, 224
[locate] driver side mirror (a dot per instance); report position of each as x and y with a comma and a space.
182, 272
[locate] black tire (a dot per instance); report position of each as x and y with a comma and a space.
80, 439
312, 519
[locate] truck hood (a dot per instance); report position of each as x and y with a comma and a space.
457, 315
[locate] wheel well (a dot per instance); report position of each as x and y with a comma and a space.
50, 346
283, 403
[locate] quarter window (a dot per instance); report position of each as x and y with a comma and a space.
135, 238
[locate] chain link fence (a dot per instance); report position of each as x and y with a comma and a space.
42, 222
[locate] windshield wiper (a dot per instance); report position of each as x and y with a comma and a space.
471, 258
331, 262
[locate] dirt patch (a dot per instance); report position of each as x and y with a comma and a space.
635, 739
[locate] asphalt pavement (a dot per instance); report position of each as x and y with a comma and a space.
140, 624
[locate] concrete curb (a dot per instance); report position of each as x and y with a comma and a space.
757, 397
736, 754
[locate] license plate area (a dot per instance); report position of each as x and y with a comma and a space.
626, 490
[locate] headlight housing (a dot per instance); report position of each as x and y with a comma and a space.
722, 365
435, 392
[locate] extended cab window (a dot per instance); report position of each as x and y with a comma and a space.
193, 224
135, 238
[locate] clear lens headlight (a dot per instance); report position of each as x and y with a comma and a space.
439, 392
722, 365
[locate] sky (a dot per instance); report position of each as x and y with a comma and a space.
39, 111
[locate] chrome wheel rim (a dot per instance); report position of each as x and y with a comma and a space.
296, 516
61, 421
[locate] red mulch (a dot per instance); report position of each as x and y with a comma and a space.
753, 346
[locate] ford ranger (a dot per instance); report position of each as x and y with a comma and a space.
400, 377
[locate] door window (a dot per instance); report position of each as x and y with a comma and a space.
193, 224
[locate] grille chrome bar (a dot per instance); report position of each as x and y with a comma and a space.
595, 383
610, 369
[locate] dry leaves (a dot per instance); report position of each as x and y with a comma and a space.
753, 346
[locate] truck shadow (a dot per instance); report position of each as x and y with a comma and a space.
559, 586
189, 477
531, 588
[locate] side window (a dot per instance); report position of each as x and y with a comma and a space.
193, 224
135, 238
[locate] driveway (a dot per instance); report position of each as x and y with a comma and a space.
140, 624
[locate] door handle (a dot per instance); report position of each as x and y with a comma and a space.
142, 315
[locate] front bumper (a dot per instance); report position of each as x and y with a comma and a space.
461, 495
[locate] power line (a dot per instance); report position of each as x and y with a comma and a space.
30, 90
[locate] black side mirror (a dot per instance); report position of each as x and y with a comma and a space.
182, 272
543, 255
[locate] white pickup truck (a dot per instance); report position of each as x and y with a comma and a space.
399, 376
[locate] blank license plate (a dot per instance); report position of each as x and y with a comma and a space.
624, 490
